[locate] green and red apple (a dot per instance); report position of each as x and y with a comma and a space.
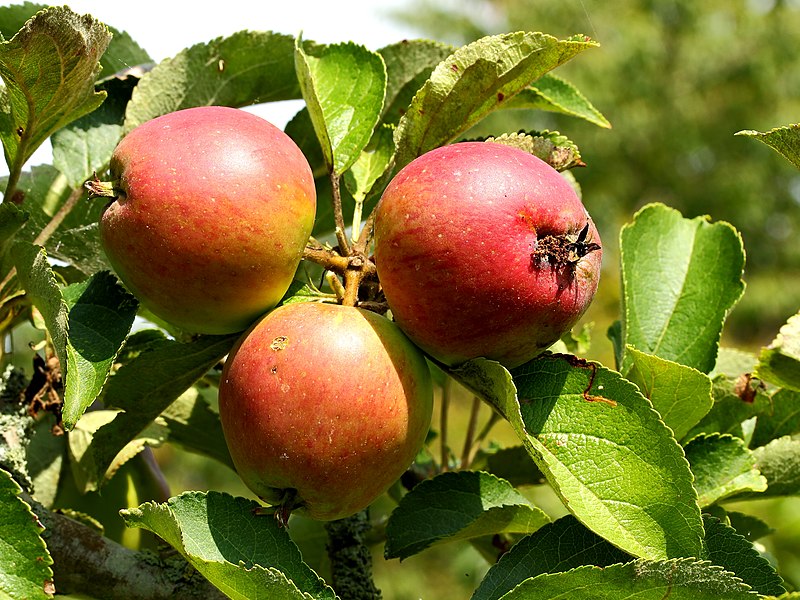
484, 250
213, 208
324, 407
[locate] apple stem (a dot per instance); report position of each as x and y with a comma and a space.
100, 189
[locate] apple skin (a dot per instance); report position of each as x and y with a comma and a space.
455, 235
331, 401
214, 207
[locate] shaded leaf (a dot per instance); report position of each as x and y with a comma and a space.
49, 68
559, 546
409, 64
779, 363
784, 140
555, 94
194, 426
123, 54
144, 387
87, 473
475, 80
343, 86
24, 560
242, 69
750, 527
44, 456
783, 418
85, 145
680, 394
722, 466
684, 579
680, 277
603, 449
513, 464
731, 551
245, 555
13, 17
455, 506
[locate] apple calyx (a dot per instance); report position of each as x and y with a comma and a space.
563, 250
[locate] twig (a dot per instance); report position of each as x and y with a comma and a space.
447, 390
469, 441
338, 214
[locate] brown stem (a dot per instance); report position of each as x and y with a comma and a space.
469, 441
364, 239
338, 214
329, 259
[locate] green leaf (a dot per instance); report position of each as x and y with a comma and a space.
602, 447
475, 80
343, 86
24, 560
457, 506
684, 579
245, 555
550, 146
195, 427
733, 362
750, 527
144, 387
722, 466
555, 94
85, 145
680, 394
782, 419
559, 546
13, 17
409, 64
680, 277
242, 69
736, 555
779, 462
101, 314
373, 163
49, 68
779, 363
12, 219
784, 140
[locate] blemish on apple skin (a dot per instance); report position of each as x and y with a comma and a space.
279, 343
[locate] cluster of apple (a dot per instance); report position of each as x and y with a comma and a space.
481, 250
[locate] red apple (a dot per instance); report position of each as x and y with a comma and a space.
323, 407
214, 207
484, 250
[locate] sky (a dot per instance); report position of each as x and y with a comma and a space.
163, 28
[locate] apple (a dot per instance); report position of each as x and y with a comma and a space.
213, 207
323, 407
484, 250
